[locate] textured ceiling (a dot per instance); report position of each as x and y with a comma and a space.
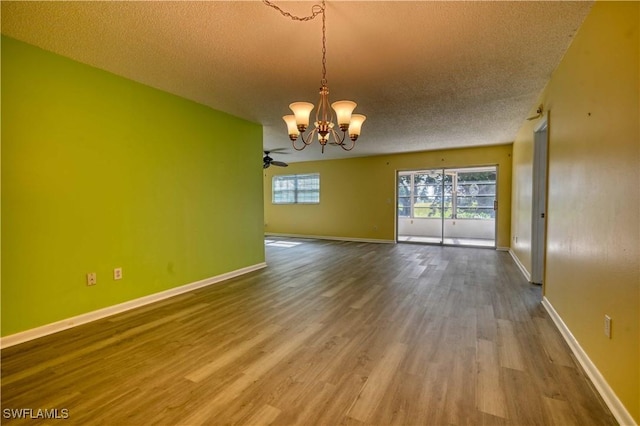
427, 74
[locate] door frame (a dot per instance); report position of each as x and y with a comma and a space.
539, 216
443, 170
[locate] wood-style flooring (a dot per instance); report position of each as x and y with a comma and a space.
330, 333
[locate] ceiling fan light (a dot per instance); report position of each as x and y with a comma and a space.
301, 110
291, 126
343, 111
356, 125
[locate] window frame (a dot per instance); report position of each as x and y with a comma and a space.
302, 191
453, 205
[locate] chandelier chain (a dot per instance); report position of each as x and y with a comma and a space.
316, 10
324, 46
324, 124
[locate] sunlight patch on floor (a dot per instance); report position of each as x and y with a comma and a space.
286, 244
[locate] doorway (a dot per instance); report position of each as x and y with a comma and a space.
454, 206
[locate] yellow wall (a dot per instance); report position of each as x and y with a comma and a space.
521, 194
357, 195
593, 265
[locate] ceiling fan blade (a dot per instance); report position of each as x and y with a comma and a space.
278, 150
279, 164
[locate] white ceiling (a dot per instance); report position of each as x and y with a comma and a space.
427, 74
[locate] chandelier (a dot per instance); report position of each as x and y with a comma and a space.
324, 124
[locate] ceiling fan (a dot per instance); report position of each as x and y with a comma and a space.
268, 161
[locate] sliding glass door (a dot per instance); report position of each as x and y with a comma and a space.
448, 206
421, 204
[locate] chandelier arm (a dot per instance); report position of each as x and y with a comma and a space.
298, 149
340, 140
320, 104
305, 143
324, 113
337, 139
353, 144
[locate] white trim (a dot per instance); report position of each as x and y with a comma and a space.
520, 266
328, 237
608, 395
539, 205
57, 326
503, 248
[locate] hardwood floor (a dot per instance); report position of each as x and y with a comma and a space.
330, 333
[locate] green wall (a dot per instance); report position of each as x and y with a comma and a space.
357, 195
593, 207
101, 172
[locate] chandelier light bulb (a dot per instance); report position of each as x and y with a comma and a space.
292, 127
356, 125
343, 111
302, 110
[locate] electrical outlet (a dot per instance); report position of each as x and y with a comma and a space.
92, 278
607, 326
117, 274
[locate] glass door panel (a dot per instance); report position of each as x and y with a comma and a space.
472, 219
420, 197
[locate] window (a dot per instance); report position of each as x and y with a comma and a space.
296, 189
404, 195
427, 194
420, 194
475, 195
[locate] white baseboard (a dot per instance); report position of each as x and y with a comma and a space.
503, 249
524, 271
326, 237
608, 395
54, 327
